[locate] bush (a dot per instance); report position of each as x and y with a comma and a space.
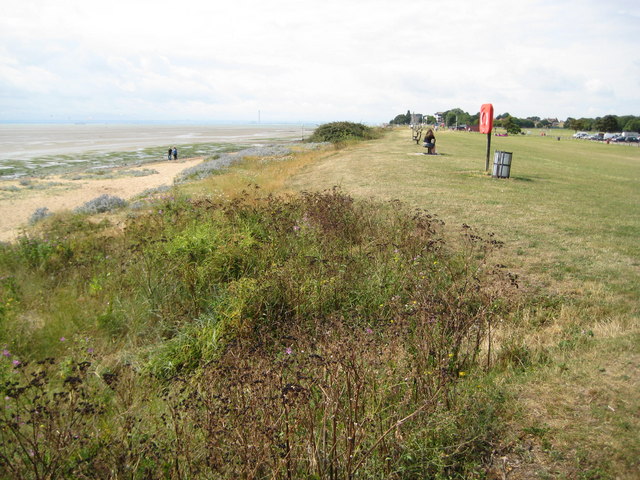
39, 214
338, 132
101, 204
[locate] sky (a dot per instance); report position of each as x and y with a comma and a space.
202, 61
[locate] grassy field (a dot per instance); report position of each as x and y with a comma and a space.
570, 209
219, 331
570, 219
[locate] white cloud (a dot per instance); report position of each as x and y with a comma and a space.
336, 59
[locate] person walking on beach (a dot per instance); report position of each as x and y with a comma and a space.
169, 154
175, 153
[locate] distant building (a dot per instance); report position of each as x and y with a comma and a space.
553, 122
439, 117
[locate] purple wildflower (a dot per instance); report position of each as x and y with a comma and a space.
6, 353
62, 339
16, 363
288, 351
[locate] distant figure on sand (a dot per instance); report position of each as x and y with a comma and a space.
430, 142
169, 154
175, 153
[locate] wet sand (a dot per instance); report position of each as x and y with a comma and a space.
17, 207
23, 142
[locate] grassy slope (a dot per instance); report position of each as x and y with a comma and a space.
570, 218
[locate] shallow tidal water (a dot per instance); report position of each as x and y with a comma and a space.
39, 150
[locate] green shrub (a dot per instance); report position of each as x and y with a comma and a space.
337, 132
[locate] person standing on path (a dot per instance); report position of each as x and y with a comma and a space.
169, 154
175, 153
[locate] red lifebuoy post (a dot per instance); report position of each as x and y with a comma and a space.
486, 125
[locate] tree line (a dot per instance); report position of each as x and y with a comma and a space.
457, 116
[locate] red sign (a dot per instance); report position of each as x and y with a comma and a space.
486, 118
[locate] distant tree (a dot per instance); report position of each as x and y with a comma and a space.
511, 125
632, 125
544, 123
503, 115
430, 119
402, 119
583, 124
608, 123
456, 115
622, 122
570, 123
526, 123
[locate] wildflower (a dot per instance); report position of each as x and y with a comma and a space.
462, 374
296, 228
62, 339
451, 355
90, 351
16, 363
6, 353
369, 330
288, 351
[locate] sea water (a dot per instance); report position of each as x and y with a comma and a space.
40, 150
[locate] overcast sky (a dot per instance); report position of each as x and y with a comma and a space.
291, 60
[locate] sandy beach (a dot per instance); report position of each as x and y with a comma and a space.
16, 207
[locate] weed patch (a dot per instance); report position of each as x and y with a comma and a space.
279, 336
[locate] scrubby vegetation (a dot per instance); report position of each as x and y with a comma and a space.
340, 132
301, 336
101, 204
38, 215
216, 164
